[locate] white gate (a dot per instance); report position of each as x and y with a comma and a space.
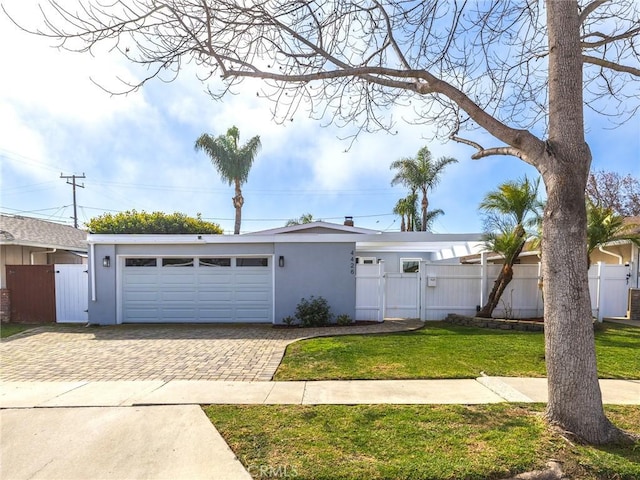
370, 297
72, 293
402, 295
609, 289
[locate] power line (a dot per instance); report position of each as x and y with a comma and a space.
74, 184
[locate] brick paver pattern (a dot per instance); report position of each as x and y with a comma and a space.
159, 352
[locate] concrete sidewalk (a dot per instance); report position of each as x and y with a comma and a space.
157, 430
160, 442
184, 392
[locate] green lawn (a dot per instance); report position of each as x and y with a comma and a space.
8, 329
413, 442
442, 350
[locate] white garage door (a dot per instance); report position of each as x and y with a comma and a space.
197, 289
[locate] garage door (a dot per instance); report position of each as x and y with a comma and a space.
197, 289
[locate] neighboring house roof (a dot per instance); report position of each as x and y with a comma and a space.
529, 251
33, 232
315, 227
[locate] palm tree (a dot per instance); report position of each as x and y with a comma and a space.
233, 163
406, 208
509, 211
420, 173
304, 218
604, 226
431, 217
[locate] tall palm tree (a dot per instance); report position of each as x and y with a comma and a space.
509, 211
604, 226
232, 162
420, 173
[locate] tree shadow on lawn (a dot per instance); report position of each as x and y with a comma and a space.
460, 330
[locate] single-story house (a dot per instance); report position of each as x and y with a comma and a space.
257, 277
27, 244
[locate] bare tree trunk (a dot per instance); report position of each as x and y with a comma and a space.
238, 202
575, 401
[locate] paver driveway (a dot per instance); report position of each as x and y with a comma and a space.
159, 352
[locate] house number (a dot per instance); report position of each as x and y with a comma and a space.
352, 264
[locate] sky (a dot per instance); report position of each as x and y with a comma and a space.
136, 151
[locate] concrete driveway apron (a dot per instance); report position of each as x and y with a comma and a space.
159, 352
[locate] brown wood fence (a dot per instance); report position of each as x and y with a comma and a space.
32, 292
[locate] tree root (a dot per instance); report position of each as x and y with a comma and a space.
615, 436
552, 472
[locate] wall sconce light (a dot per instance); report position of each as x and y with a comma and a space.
281, 261
106, 261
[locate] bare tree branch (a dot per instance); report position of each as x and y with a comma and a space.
590, 8
487, 152
611, 65
606, 39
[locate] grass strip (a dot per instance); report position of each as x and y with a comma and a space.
7, 329
413, 442
442, 350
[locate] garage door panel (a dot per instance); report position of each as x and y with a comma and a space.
210, 279
253, 296
205, 298
252, 315
145, 297
178, 281
140, 281
220, 314
197, 294
255, 279
179, 314
142, 315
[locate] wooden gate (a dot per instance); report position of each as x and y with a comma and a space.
32, 291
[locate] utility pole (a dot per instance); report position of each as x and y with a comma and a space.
71, 180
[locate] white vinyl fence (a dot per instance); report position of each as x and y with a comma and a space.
438, 290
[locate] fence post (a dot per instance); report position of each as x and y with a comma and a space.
422, 294
382, 292
598, 289
540, 295
483, 278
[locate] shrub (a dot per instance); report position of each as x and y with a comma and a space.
314, 312
344, 319
289, 320
132, 221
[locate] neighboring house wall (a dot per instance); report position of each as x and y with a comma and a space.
319, 269
624, 250
23, 255
65, 257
